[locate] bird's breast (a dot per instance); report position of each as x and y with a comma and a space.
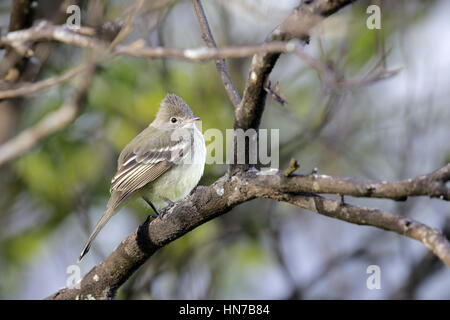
179, 181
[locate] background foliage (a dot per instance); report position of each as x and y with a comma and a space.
392, 129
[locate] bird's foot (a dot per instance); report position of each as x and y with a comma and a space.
167, 200
156, 214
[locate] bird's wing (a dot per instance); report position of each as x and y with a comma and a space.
142, 161
145, 163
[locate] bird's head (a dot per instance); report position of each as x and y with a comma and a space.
174, 113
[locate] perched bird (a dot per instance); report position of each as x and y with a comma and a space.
162, 164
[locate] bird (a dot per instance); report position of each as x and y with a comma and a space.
161, 165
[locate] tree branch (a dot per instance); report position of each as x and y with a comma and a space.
48, 32
298, 25
207, 36
51, 123
138, 49
430, 237
30, 88
206, 203
433, 185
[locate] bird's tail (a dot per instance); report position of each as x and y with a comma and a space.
100, 224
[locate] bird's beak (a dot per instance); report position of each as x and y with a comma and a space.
192, 120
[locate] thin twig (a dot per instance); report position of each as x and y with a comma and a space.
220, 62
293, 165
30, 88
127, 28
337, 81
51, 123
430, 237
48, 32
138, 49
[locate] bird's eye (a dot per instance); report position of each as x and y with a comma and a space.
173, 120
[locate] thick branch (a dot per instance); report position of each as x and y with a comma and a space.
433, 185
298, 25
206, 203
21, 17
201, 206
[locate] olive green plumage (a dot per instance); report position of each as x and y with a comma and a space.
164, 162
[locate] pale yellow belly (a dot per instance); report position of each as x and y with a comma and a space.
179, 181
